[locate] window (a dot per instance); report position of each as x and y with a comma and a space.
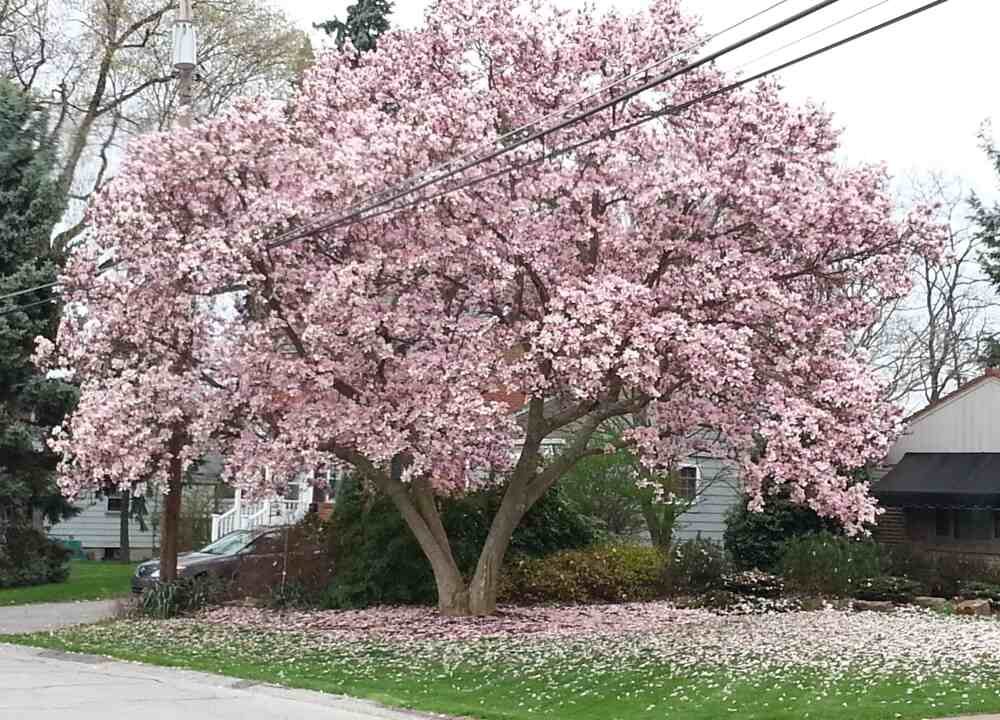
942, 523
687, 482
115, 503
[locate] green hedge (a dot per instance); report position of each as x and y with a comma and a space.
754, 540
695, 566
829, 564
616, 573
28, 557
378, 561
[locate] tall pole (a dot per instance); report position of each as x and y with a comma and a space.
185, 60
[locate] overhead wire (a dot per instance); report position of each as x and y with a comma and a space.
511, 134
395, 192
537, 135
810, 36
610, 132
669, 110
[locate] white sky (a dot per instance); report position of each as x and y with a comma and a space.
912, 96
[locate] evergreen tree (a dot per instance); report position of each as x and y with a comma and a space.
366, 20
987, 219
30, 404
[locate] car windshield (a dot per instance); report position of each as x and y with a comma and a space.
229, 544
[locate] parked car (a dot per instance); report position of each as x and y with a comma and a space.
255, 556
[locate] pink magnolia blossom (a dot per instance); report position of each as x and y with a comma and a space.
701, 269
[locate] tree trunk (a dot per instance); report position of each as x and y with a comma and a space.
170, 523
486, 582
123, 528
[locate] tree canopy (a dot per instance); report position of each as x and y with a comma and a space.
987, 218
366, 20
698, 269
31, 204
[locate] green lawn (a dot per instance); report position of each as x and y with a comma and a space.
88, 580
523, 678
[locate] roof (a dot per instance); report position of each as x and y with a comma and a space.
942, 480
990, 374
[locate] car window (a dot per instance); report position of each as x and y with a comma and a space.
228, 544
266, 545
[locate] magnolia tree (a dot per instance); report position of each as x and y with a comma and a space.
694, 270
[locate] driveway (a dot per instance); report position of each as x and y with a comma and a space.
17, 619
51, 685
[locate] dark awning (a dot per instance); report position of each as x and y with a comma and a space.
942, 480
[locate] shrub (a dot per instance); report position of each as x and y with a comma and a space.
378, 561
753, 583
181, 596
618, 573
695, 566
976, 590
755, 539
944, 575
28, 557
904, 561
292, 595
888, 587
829, 564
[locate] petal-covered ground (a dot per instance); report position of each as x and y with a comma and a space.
626, 661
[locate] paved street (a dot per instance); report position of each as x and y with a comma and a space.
32, 618
49, 685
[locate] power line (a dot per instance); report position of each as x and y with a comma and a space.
405, 187
670, 110
573, 120
811, 35
611, 132
499, 140
21, 308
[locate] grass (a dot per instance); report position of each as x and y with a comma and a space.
498, 680
88, 580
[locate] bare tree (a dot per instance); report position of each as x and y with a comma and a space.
935, 339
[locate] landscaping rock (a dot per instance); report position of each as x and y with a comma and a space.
974, 607
812, 603
934, 603
874, 605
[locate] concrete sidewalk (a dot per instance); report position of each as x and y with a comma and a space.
52, 685
18, 619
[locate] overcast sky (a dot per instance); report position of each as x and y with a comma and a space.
912, 96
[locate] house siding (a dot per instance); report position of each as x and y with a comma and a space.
98, 530
720, 488
965, 422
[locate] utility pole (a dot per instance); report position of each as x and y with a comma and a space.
185, 60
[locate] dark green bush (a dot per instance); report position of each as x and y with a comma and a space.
695, 566
888, 587
28, 557
182, 596
903, 560
293, 595
614, 573
976, 590
753, 583
943, 575
378, 561
829, 564
755, 539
